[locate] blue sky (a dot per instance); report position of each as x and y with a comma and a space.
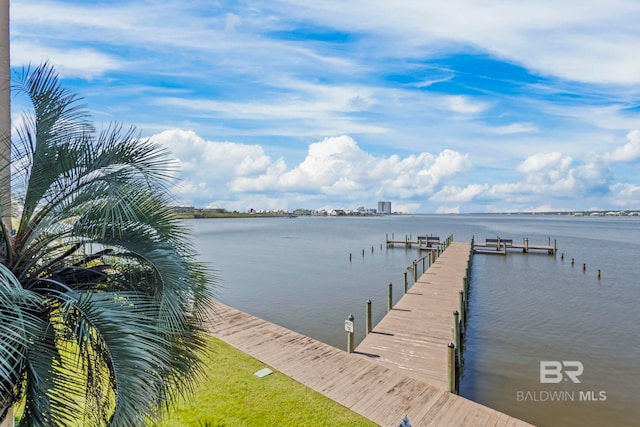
457, 106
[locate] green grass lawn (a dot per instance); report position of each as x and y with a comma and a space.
232, 395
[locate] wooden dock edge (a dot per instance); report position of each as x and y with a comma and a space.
378, 393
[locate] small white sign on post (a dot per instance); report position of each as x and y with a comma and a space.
348, 325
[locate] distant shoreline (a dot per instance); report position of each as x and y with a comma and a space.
232, 215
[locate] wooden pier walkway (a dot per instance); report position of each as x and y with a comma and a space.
413, 336
379, 393
399, 369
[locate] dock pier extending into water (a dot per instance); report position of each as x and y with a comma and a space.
501, 245
402, 367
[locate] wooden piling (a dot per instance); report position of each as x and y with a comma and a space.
462, 311
390, 297
456, 334
368, 318
350, 343
452, 368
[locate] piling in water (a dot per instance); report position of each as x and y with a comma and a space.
456, 334
368, 317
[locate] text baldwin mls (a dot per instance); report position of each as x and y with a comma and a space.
554, 372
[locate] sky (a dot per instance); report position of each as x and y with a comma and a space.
439, 107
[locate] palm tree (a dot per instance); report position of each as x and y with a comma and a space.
102, 303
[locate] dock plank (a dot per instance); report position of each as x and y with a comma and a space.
369, 388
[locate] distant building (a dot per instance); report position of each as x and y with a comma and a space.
384, 208
183, 209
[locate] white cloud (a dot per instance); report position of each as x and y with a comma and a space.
334, 168
629, 152
513, 128
544, 161
331, 164
582, 40
626, 195
76, 62
453, 194
464, 105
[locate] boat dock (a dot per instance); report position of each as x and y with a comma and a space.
400, 369
501, 245
423, 242
413, 337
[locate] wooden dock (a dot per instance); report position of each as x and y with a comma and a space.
423, 242
399, 369
500, 246
413, 336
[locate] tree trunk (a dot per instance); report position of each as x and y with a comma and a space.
5, 116
5, 137
8, 420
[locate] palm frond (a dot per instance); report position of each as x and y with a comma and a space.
105, 278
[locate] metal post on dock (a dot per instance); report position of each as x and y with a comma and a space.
390, 297
452, 367
368, 317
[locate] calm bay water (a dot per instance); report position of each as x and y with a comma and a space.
524, 308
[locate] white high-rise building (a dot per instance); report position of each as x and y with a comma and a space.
384, 208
